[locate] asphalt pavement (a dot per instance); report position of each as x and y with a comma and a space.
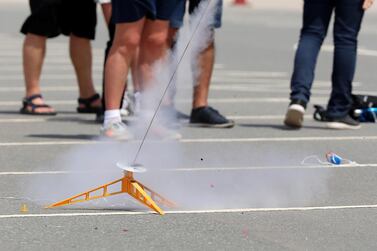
258, 186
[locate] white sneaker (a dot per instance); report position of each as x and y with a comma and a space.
116, 130
345, 123
124, 111
295, 116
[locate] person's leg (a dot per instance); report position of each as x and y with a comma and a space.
81, 56
152, 48
40, 25
202, 114
78, 20
206, 59
111, 29
348, 18
176, 22
34, 50
126, 41
205, 64
317, 15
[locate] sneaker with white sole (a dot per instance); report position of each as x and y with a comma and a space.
343, 123
206, 116
116, 130
295, 114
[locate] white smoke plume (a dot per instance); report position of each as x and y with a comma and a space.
93, 165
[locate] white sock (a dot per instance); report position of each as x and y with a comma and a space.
112, 116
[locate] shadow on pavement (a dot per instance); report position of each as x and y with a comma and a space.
74, 119
12, 112
281, 127
64, 136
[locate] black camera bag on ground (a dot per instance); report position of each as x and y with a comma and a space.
360, 102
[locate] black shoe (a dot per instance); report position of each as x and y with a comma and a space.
100, 117
209, 117
346, 122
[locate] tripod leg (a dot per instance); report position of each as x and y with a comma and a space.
139, 194
86, 196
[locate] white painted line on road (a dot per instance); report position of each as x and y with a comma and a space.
259, 117
208, 140
361, 51
52, 102
271, 88
240, 117
50, 143
46, 77
72, 214
284, 209
251, 168
245, 100
22, 120
211, 100
49, 60
45, 89
259, 74
236, 210
277, 139
56, 52
219, 66
18, 68
205, 169
34, 173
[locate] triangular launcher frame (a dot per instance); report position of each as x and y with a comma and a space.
129, 185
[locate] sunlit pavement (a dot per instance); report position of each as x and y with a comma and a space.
243, 188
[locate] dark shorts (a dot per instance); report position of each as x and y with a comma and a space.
176, 20
128, 11
51, 18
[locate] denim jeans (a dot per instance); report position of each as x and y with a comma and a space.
317, 15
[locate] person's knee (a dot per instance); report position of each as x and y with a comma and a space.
156, 40
78, 39
30, 37
345, 39
126, 45
315, 32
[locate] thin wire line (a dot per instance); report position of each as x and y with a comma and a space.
169, 83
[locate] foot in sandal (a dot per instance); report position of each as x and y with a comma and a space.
34, 105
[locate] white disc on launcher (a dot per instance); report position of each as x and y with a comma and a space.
135, 168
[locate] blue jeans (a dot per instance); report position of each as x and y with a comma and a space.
317, 15
176, 19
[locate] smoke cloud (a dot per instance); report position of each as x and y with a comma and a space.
195, 188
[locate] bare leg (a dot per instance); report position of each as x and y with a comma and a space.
126, 41
134, 71
34, 50
206, 62
201, 89
81, 56
153, 47
169, 100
